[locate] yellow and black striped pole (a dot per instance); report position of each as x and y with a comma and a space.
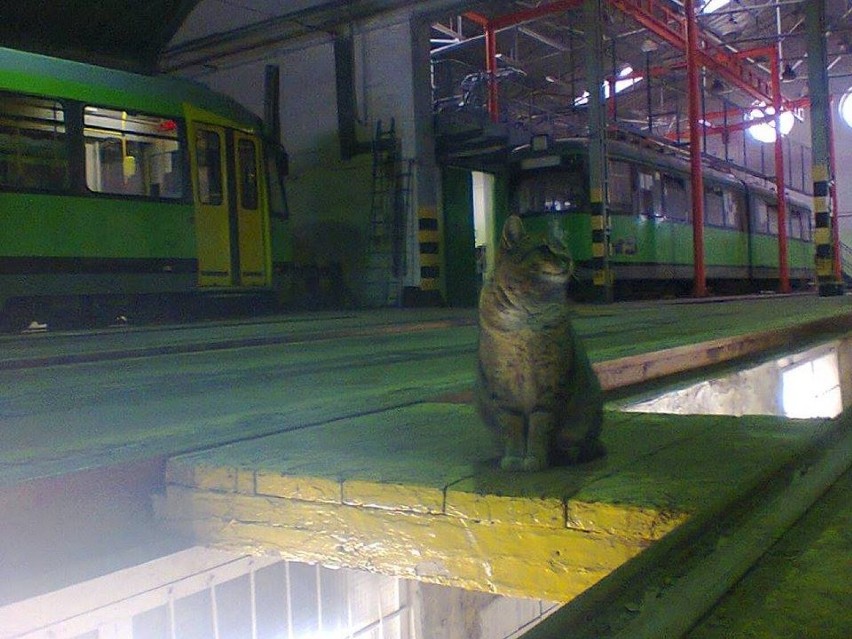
429, 239
829, 282
822, 224
601, 273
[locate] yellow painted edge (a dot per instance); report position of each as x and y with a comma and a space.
430, 259
623, 521
549, 513
515, 560
300, 487
199, 475
405, 497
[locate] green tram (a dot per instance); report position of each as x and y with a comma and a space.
650, 219
123, 193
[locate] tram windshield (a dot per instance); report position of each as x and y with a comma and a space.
551, 192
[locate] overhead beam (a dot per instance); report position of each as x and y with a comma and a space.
670, 26
323, 19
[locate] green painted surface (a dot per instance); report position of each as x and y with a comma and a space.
802, 586
459, 241
33, 224
626, 329
163, 95
677, 464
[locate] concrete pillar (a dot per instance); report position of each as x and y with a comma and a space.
602, 277
425, 271
823, 171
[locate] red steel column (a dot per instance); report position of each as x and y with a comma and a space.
693, 90
783, 263
491, 69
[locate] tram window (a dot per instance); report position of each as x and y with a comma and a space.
208, 146
799, 223
132, 154
734, 209
760, 223
772, 216
806, 225
714, 207
620, 187
560, 191
794, 223
648, 194
675, 200
247, 152
33, 147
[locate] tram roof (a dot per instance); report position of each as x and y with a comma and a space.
37, 74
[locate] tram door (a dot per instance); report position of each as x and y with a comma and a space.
230, 224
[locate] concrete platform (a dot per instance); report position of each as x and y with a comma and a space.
413, 493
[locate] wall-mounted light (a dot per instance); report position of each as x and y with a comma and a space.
845, 107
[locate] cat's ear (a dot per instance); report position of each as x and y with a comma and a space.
513, 232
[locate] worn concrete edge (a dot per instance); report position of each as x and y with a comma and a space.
647, 367
226, 344
565, 512
825, 459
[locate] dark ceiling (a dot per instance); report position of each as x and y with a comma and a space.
124, 33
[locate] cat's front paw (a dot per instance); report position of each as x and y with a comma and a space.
510, 462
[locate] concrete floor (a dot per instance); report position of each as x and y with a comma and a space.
76, 402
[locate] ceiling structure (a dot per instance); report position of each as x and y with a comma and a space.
541, 49
541, 60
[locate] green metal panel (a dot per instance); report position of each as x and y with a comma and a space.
502, 202
55, 226
460, 254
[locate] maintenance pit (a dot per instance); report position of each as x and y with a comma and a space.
396, 524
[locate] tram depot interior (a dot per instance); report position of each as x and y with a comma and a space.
408, 87
361, 156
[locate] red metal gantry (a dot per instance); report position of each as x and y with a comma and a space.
682, 32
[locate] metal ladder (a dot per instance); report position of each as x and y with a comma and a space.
389, 202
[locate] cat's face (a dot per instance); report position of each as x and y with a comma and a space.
537, 267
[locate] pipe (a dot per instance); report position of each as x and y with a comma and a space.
699, 272
783, 263
491, 68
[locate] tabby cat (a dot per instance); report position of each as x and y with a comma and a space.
536, 389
